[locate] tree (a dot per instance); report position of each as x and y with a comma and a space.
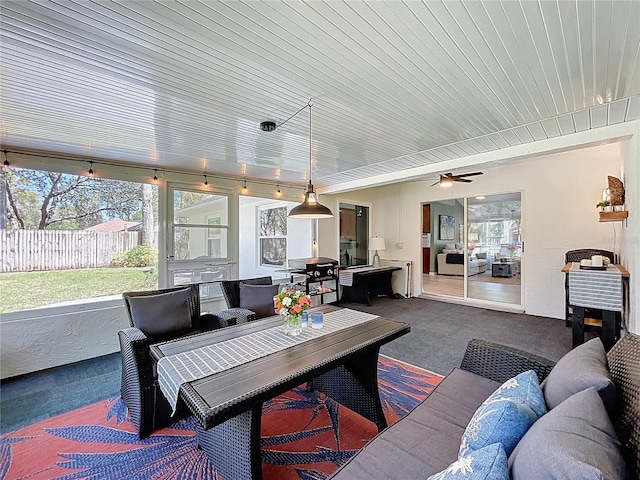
52, 200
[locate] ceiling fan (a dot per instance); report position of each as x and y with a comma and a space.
447, 179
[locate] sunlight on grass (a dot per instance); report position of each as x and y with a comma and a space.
26, 290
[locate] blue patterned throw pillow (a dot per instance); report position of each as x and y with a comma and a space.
524, 388
506, 415
488, 463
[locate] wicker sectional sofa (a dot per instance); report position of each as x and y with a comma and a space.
427, 440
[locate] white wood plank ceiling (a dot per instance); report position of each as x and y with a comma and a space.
395, 85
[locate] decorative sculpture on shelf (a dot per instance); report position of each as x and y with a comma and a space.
616, 191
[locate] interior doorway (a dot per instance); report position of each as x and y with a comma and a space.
354, 234
474, 248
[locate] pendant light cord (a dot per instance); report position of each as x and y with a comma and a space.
310, 148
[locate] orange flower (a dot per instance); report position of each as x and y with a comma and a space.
296, 308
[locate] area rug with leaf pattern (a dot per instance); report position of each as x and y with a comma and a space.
305, 436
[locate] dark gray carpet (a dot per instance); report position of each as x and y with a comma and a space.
439, 335
440, 331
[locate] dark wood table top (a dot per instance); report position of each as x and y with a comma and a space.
224, 395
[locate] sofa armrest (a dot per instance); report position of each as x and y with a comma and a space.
215, 320
243, 315
500, 362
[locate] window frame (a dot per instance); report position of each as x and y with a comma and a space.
260, 210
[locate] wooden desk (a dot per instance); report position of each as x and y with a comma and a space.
593, 301
228, 404
369, 282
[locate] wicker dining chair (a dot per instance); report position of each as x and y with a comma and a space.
140, 391
231, 293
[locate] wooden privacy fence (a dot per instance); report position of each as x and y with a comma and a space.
29, 250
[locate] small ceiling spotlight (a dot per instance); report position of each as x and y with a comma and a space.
6, 161
91, 169
244, 189
206, 183
155, 176
278, 192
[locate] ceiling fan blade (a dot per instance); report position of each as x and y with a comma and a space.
462, 180
434, 184
469, 174
448, 175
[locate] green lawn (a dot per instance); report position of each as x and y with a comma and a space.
23, 291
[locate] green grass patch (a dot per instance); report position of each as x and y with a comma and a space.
26, 290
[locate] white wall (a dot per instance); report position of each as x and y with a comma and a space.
559, 192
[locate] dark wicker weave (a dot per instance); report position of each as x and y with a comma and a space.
624, 365
500, 363
139, 388
576, 256
231, 293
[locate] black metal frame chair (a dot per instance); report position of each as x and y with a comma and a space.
231, 293
148, 408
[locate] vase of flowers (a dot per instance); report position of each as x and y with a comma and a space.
290, 304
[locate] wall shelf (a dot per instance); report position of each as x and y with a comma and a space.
613, 216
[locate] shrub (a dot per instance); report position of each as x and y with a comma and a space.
138, 256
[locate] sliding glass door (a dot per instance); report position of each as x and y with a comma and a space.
494, 243
474, 247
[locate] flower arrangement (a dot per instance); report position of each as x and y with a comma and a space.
291, 302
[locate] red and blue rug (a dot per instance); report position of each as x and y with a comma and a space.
305, 436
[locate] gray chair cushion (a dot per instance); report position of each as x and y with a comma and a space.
161, 314
258, 298
574, 440
583, 367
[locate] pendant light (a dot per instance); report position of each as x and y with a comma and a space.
310, 207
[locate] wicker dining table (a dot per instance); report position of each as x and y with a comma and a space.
228, 404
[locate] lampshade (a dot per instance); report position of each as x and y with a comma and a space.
310, 207
376, 243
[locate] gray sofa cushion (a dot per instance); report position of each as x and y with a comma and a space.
583, 367
160, 314
427, 440
574, 440
258, 299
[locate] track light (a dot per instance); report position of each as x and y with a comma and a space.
155, 176
205, 181
244, 189
91, 169
6, 162
278, 192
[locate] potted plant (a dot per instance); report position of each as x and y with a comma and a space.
604, 206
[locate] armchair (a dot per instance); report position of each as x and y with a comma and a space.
257, 307
155, 316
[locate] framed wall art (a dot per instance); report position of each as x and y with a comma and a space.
447, 227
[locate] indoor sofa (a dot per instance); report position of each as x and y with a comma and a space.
453, 264
427, 440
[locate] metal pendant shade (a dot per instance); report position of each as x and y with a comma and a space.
310, 207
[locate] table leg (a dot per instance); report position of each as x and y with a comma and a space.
381, 284
355, 385
578, 327
234, 446
357, 292
608, 329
